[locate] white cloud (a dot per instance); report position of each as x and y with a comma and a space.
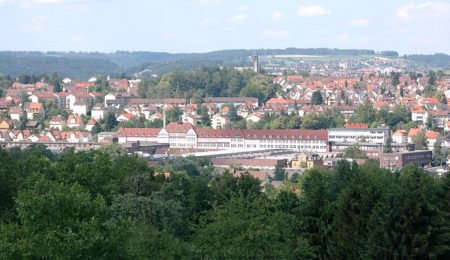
3, 2
171, 35
47, 1
242, 8
239, 18
78, 39
85, 8
209, 2
313, 10
359, 23
38, 25
209, 22
423, 10
277, 16
275, 34
344, 37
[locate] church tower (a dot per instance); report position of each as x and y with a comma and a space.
255, 63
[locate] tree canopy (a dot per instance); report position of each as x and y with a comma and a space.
105, 204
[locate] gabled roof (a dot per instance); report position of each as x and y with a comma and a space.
400, 133
176, 127
432, 135
414, 131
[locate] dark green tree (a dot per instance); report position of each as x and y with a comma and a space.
432, 77
110, 121
279, 174
316, 98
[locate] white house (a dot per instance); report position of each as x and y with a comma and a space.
98, 112
253, 118
79, 108
191, 119
400, 137
57, 122
15, 113
218, 121
419, 115
125, 117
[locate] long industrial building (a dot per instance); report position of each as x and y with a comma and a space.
187, 136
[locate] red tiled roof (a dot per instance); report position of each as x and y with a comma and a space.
145, 132
413, 132
281, 101
175, 127
432, 135
356, 125
260, 175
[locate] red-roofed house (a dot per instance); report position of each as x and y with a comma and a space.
219, 121
433, 137
419, 114
74, 121
57, 122
15, 113
125, 117
400, 137
413, 132
33, 110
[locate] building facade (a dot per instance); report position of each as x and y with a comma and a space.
186, 136
394, 161
357, 135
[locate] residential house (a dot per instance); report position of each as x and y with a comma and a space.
98, 111
74, 121
219, 121
34, 110
5, 137
412, 133
307, 160
254, 118
6, 124
15, 113
400, 137
125, 117
80, 108
156, 116
236, 101
433, 138
41, 97
419, 114
57, 122
90, 124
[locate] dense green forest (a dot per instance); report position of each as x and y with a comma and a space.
210, 82
438, 60
105, 204
83, 65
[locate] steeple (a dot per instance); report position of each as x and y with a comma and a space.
255, 63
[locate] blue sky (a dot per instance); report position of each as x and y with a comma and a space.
205, 25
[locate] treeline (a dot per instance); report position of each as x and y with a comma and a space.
210, 82
85, 64
82, 68
105, 204
438, 60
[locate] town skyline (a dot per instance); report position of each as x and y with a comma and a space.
199, 26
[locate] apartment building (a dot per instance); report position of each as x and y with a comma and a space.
356, 133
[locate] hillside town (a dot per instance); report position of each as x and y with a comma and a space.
393, 117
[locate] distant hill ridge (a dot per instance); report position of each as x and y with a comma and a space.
85, 64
